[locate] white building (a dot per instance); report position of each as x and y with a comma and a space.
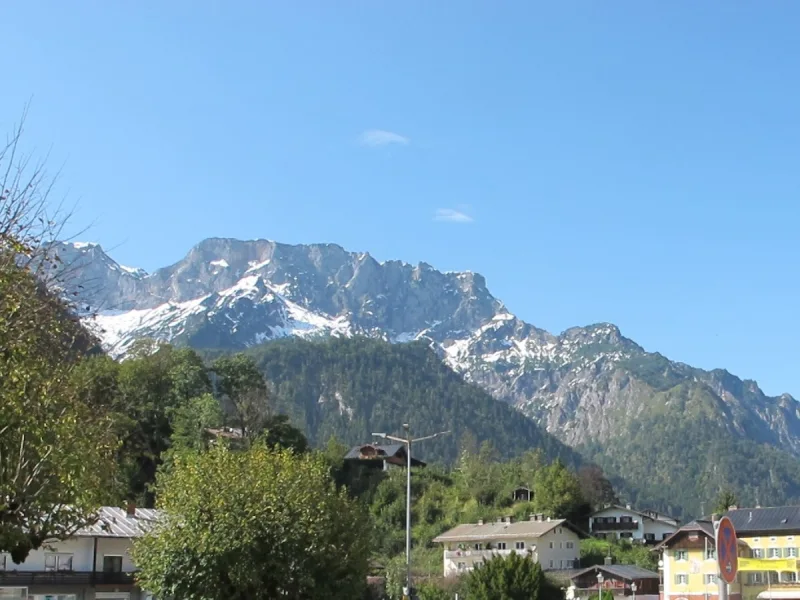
553, 543
94, 564
624, 522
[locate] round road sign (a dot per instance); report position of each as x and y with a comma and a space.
727, 550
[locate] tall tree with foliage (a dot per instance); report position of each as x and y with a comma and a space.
513, 577
56, 449
558, 492
256, 524
724, 501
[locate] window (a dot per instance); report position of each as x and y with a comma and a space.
756, 578
756, 540
681, 579
625, 535
520, 545
681, 555
774, 553
790, 552
560, 531
626, 519
462, 566
774, 577
788, 577
3, 561
552, 545
57, 562
711, 553
501, 545
478, 546
773, 539
112, 564
711, 579
570, 545
758, 553
551, 564
561, 545
650, 537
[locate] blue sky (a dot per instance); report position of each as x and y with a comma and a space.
633, 162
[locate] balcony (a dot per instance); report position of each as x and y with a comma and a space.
455, 554
30, 578
629, 526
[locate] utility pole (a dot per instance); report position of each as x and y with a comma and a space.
408, 590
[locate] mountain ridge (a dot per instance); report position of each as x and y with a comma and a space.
587, 385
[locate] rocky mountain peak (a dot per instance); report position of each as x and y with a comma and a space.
586, 385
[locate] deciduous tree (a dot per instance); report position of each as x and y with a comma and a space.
56, 449
251, 525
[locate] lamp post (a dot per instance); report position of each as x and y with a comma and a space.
600, 580
407, 591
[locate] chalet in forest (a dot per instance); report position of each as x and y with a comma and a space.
382, 456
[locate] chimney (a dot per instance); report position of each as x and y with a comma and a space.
532, 516
733, 507
480, 521
608, 560
628, 506
131, 509
548, 519
508, 519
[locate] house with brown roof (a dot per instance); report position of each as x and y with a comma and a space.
382, 456
625, 522
553, 543
94, 564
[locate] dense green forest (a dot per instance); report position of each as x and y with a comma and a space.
348, 388
679, 425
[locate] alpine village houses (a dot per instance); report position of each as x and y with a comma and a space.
769, 539
554, 543
93, 564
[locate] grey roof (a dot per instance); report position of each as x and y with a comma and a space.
626, 572
469, 532
699, 525
765, 520
115, 522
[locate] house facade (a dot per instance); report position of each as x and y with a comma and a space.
772, 539
769, 542
625, 522
553, 543
94, 564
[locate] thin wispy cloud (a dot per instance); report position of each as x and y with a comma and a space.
381, 137
451, 215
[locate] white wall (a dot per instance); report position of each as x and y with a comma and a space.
561, 554
644, 525
82, 550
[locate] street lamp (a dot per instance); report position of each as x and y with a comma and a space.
633, 589
600, 580
407, 591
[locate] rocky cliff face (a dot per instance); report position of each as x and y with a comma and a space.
586, 385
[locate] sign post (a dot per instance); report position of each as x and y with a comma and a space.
727, 554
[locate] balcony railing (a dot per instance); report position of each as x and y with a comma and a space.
28, 578
630, 526
480, 553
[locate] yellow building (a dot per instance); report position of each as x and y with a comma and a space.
769, 539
